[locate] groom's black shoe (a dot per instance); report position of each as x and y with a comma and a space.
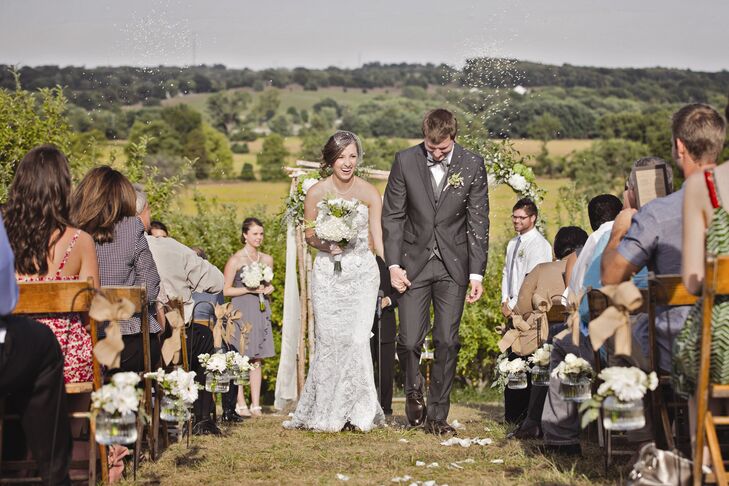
438, 427
415, 409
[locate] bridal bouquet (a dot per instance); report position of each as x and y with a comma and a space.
254, 275
621, 395
335, 223
180, 392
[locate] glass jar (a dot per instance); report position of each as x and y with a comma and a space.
540, 375
217, 382
619, 415
241, 378
116, 428
575, 389
173, 410
517, 381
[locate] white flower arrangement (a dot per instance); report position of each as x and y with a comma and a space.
517, 365
541, 356
294, 206
118, 397
254, 275
572, 367
238, 362
178, 384
215, 363
626, 384
518, 182
335, 223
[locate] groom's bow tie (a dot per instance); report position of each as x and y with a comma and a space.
432, 162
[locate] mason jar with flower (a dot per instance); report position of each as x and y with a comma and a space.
575, 375
515, 372
540, 361
114, 407
180, 392
217, 378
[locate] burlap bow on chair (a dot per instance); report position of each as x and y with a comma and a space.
615, 320
225, 318
523, 339
172, 346
573, 318
108, 350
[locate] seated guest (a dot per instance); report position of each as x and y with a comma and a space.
48, 248
32, 381
205, 313
158, 229
182, 273
104, 204
546, 280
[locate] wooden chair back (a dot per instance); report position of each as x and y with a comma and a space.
716, 283
60, 297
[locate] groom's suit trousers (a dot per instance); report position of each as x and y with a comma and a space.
432, 285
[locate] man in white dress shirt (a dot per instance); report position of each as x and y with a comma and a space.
524, 252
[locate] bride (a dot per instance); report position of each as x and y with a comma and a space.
339, 393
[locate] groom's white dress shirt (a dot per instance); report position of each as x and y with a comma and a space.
523, 253
439, 171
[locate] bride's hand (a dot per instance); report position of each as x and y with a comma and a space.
335, 249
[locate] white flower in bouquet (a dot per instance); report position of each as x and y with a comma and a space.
127, 378
335, 223
627, 384
518, 182
183, 385
252, 275
241, 362
517, 365
308, 184
541, 356
572, 366
215, 363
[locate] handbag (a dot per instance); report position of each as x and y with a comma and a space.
656, 467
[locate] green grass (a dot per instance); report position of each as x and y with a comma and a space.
260, 451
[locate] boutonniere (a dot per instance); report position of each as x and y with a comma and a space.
455, 180
521, 253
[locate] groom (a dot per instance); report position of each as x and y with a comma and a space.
435, 225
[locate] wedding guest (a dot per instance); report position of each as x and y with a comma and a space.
104, 205
48, 248
382, 343
205, 313
32, 382
546, 280
523, 253
182, 272
158, 229
260, 338
698, 138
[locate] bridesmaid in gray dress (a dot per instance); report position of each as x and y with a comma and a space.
260, 339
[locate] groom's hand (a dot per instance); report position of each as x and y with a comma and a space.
475, 293
398, 279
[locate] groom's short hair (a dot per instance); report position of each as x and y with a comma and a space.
439, 124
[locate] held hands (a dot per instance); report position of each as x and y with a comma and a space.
476, 291
384, 302
335, 249
398, 279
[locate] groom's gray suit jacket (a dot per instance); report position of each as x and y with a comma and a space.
412, 220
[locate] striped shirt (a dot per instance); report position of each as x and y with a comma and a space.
127, 261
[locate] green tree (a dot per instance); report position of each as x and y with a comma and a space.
217, 150
224, 109
246, 172
272, 158
281, 125
161, 138
266, 105
544, 127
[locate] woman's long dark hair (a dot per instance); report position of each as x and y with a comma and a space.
37, 207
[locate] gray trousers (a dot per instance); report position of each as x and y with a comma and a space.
560, 419
432, 285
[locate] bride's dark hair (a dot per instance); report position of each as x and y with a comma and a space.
38, 206
334, 148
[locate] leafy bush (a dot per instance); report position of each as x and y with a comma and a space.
240, 148
246, 172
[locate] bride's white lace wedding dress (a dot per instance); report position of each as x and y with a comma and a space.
340, 386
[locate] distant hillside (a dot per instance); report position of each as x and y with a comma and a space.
105, 87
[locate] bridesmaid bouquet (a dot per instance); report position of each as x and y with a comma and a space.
335, 222
254, 275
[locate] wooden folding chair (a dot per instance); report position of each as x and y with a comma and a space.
716, 282
63, 297
664, 291
597, 303
138, 297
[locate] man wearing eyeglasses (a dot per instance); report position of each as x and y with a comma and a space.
524, 252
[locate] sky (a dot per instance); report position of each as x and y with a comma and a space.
320, 33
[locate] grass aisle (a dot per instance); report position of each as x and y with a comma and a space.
260, 451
